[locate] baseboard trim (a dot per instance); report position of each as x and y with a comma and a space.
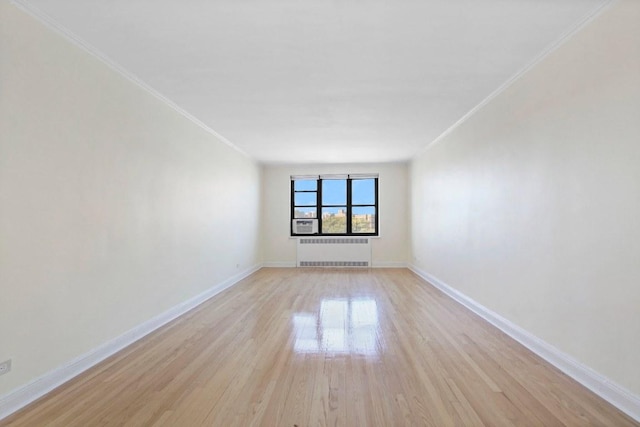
390, 264
37, 388
600, 385
279, 264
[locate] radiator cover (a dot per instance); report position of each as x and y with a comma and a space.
334, 252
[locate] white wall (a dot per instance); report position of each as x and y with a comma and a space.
390, 249
531, 207
113, 207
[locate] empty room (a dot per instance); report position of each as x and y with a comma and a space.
306, 213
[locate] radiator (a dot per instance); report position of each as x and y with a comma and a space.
334, 252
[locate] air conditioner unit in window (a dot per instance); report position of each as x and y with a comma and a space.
305, 226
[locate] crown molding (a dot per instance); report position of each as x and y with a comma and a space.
58, 28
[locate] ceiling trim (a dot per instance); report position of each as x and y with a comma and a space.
58, 28
578, 26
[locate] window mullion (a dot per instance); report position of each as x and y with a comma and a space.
319, 204
293, 208
377, 208
349, 230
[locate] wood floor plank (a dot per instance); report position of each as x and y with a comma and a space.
318, 347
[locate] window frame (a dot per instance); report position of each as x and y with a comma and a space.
349, 203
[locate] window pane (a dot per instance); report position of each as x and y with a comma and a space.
304, 212
305, 185
334, 220
363, 192
363, 219
334, 192
305, 199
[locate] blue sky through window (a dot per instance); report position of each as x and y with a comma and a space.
363, 192
305, 199
364, 210
305, 185
334, 192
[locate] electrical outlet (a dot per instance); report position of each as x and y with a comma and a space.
5, 366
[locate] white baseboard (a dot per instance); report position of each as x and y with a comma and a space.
24, 395
279, 264
390, 264
600, 385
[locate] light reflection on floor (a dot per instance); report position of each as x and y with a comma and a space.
342, 326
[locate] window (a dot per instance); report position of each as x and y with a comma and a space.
343, 205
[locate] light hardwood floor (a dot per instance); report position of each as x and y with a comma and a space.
309, 347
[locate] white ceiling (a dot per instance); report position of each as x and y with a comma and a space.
316, 81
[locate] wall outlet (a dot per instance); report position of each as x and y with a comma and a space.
5, 366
